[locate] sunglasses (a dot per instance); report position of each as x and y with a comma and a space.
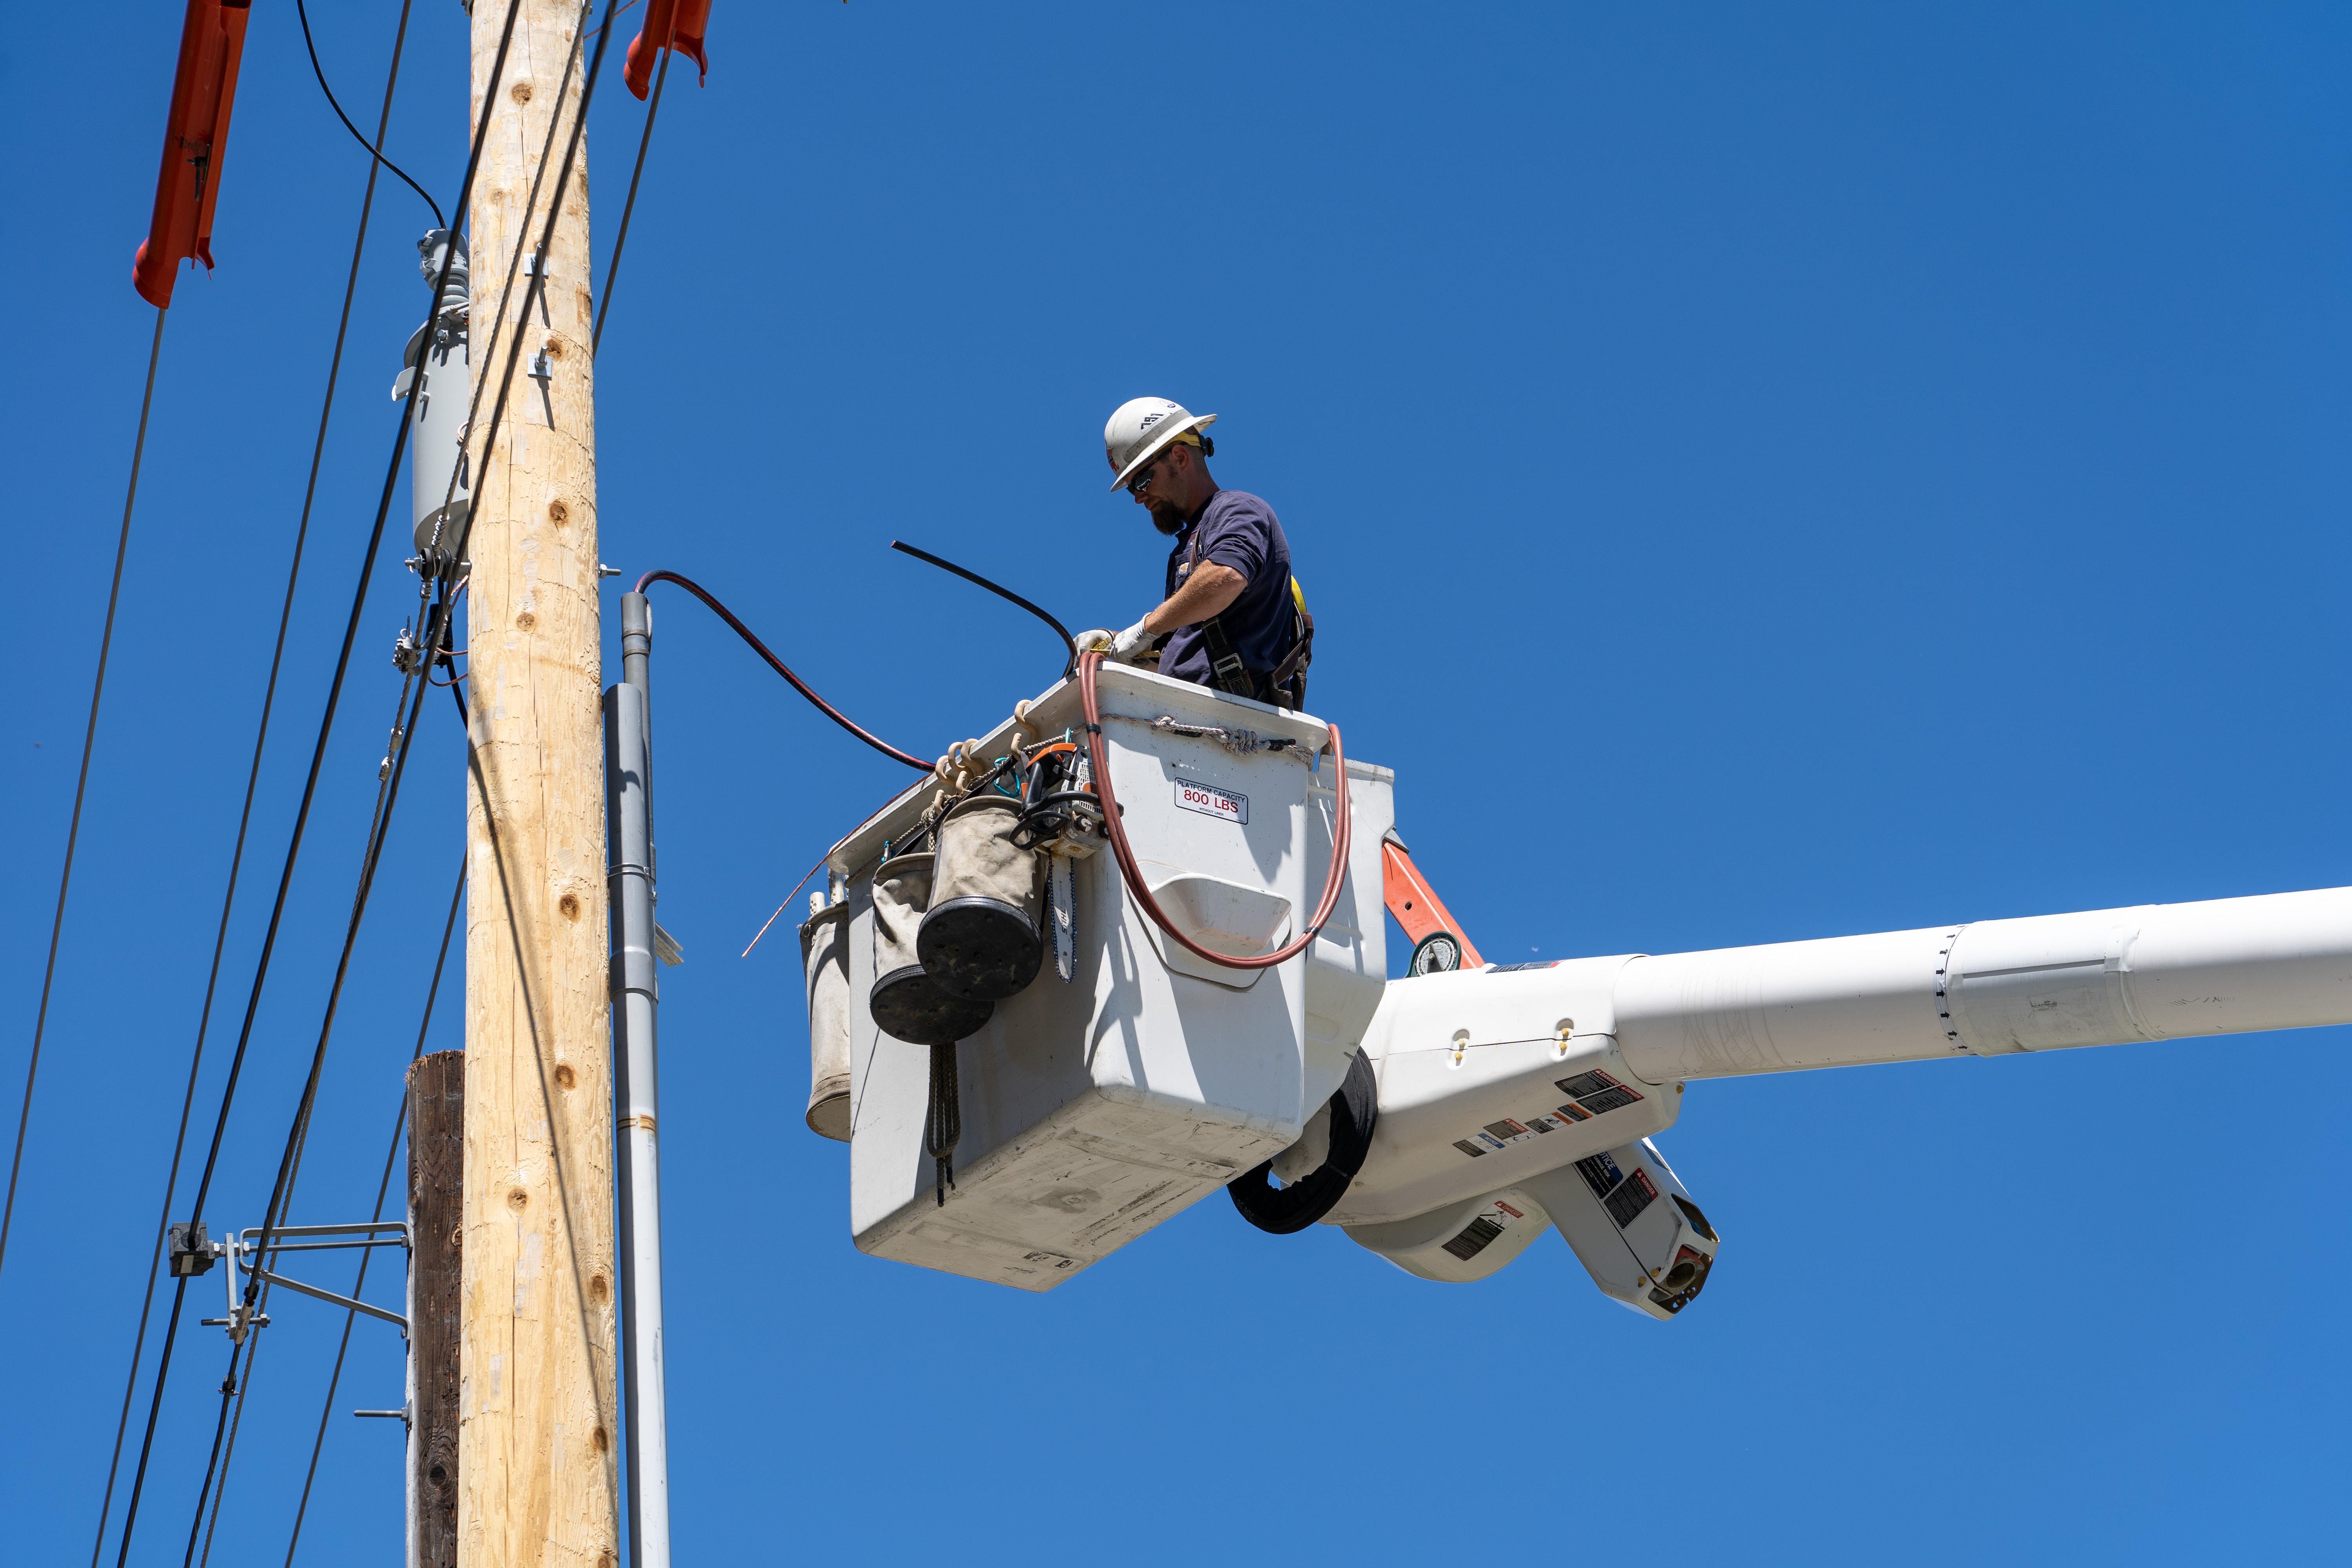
1142, 481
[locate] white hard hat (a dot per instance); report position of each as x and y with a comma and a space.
1142, 428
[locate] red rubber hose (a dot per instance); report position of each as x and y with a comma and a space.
1088, 663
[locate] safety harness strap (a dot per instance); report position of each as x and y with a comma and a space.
1230, 673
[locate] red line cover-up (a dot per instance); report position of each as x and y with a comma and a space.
195, 138
683, 23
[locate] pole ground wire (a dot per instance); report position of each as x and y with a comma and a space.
309, 790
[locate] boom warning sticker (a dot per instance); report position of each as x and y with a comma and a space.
1210, 801
1623, 1197
1597, 1092
1633, 1195
1490, 1223
1504, 1133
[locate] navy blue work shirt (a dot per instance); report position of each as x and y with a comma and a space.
1234, 528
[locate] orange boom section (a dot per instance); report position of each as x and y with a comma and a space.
1415, 905
212, 42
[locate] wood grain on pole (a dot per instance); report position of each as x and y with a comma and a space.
436, 1158
538, 1462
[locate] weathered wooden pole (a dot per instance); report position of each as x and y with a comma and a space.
537, 1459
436, 1158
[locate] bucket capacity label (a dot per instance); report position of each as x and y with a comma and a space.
1210, 801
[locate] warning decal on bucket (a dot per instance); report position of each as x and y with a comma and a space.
1210, 801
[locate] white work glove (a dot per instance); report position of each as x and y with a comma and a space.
1131, 642
1097, 639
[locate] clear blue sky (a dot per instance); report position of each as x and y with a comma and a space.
1757, 477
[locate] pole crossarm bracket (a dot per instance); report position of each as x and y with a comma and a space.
248, 1251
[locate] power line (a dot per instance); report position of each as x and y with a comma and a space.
309, 790
298, 1136
335, 1378
620, 242
81, 786
253, 776
439, 625
375, 151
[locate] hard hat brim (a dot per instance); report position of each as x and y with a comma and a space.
1159, 444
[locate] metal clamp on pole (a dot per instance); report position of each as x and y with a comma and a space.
635, 989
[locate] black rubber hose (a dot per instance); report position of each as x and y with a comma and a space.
1284, 1211
1002, 592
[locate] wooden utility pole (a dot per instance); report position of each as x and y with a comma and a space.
538, 1459
436, 1157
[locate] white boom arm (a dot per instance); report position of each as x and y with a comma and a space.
2154, 972
1495, 1083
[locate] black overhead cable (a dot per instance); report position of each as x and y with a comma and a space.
391, 1156
82, 785
620, 242
781, 668
289, 1163
375, 150
309, 790
253, 776
440, 623
298, 1137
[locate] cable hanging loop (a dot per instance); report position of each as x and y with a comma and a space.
1089, 665
781, 668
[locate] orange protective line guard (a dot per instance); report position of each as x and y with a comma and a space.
195, 139
1088, 663
677, 25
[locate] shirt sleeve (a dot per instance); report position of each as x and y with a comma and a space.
1243, 542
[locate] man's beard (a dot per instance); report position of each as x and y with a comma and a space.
1165, 519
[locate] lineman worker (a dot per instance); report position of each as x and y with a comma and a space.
1233, 618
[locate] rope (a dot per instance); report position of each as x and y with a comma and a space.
82, 786
780, 667
1089, 663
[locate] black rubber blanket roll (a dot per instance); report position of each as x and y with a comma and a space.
1283, 1211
